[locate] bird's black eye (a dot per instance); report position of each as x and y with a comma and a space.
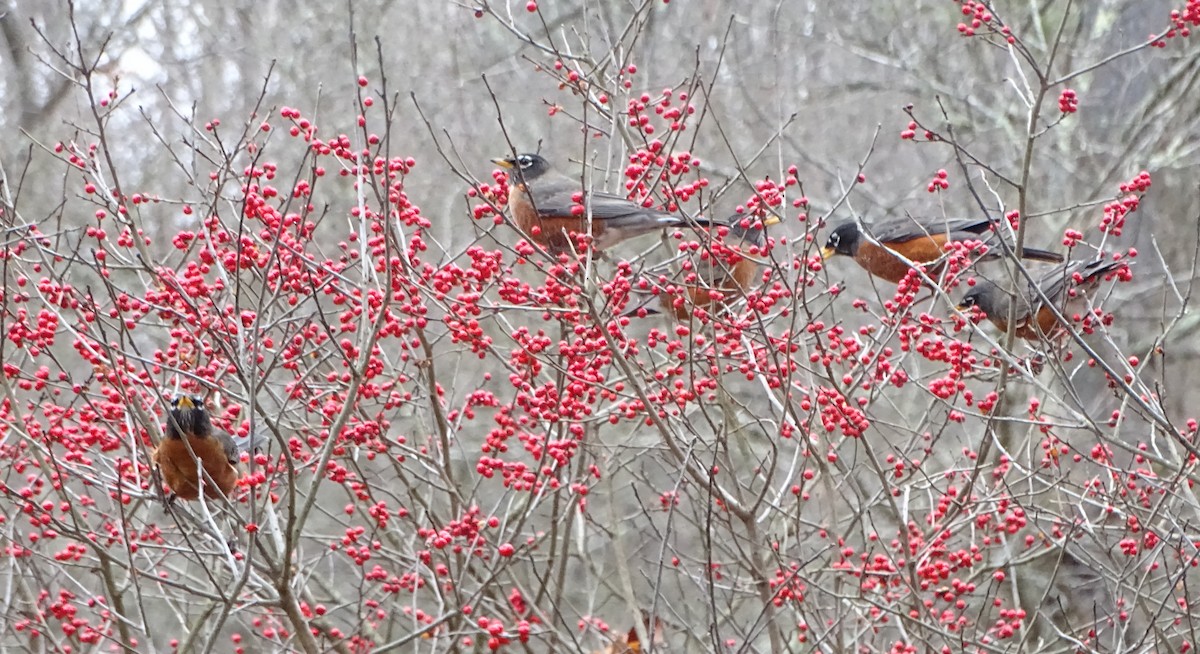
834, 238
525, 161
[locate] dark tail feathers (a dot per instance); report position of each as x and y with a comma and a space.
697, 220
1041, 255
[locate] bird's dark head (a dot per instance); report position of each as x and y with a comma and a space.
188, 416
843, 240
749, 229
528, 166
984, 295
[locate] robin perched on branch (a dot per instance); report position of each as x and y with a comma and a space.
192, 445
728, 271
630, 642
553, 209
921, 241
1064, 286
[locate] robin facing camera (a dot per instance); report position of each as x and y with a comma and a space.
192, 445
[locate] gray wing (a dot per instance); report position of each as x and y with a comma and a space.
1024, 302
900, 229
558, 196
227, 444
251, 442
1055, 283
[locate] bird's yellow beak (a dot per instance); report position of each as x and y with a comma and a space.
503, 163
827, 252
771, 220
185, 402
963, 308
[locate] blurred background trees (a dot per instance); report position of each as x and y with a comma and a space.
755, 515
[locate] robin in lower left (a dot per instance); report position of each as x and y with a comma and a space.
729, 270
193, 447
1065, 286
552, 209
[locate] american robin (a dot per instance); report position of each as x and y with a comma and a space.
552, 209
727, 271
630, 643
1064, 286
214, 449
921, 241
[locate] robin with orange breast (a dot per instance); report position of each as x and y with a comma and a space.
728, 271
921, 241
553, 209
192, 445
1064, 286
